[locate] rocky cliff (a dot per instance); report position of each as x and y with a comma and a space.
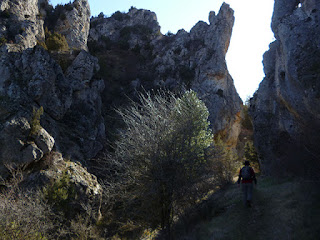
49, 102
285, 109
134, 55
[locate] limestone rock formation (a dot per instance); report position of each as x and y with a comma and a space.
17, 150
75, 24
21, 23
146, 59
71, 101
85, 192
286, 107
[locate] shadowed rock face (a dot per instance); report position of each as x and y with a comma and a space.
286, 107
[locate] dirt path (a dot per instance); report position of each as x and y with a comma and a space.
281, 210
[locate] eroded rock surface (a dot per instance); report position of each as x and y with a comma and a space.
75, 24
286, 107
21, 23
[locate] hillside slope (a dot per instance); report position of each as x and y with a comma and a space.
282, 209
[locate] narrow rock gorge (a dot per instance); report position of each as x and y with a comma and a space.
285, 109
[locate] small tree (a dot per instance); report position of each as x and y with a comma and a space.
246, 121
56, 42
250, 153
225, 162
35, 121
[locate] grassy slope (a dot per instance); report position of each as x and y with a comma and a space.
287, 209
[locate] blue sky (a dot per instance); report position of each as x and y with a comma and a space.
250, 38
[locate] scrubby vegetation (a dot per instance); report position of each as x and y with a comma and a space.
56, 42
163, 162
58, 193
119, 16
3, 40
24, 215
54, 14
35, 121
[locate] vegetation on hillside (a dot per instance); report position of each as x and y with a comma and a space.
54, 42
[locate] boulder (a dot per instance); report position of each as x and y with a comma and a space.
84, 192
18, 149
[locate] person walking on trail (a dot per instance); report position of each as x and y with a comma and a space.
248, 176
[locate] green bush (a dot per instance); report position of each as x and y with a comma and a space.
3, 40
35, 121
68, 7
42, 44
119, 16
56, 42
59, 193
250, 153
246, 121
162, 157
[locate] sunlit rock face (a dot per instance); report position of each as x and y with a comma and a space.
75, 25
150, 60
21, 24
286, 107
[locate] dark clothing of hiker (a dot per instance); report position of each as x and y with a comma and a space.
248, 176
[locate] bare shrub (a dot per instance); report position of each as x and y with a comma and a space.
23, 215
163, 162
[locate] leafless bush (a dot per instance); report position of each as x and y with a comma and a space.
23, 215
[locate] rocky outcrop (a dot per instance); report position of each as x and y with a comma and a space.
21, 24
193, 60
83, 192
71, 100
117, 28
286, 109
75, 24
17, 150
32, 155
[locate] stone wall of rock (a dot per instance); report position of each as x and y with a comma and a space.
286, 107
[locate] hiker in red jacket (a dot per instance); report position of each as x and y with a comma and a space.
248, 176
